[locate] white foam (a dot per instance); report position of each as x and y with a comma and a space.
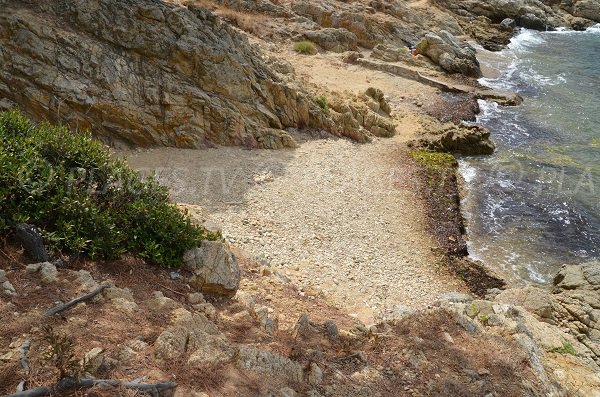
524, 40
534, 275
594, 29
467, 171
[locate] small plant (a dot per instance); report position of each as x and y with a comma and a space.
484, 318
321, 100
60, 354
566, 348
305, 47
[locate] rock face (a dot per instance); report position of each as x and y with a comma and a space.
589, 9
576, 297
143, 72
532, 14
452, 56
573, 304
215, 269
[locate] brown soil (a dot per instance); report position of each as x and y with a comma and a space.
412, 358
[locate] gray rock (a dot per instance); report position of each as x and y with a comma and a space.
213, 350
48, 273
533, 299
8, 289
303, 328
452, 56
195, 298
462, 139
2, 276
351, 57
94, 359
456, 297
315, 375
508, 23
187, 333
589, 9
215, 269
576, 303
398, 312
268, 321
268, 363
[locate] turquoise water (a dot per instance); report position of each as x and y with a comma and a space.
535, 203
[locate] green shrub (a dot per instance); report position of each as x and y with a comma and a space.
82, 200
322, 102
305, 47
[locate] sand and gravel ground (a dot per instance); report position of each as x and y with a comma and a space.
328, 214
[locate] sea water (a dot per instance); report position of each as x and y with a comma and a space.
535, 204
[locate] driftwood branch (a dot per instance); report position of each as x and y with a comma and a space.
163, 389
73, 302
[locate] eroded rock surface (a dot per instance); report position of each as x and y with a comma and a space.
215, 269
452, 56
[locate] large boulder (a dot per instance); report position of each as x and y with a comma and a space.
214, 268
461, 139
452, 56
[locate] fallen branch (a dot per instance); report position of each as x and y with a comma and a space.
169, 289
73, 302
162, 389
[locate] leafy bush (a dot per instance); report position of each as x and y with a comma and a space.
84, 201
322, 102
305, 47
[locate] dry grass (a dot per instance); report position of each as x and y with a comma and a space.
254, 24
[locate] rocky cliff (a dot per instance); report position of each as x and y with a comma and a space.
145, 72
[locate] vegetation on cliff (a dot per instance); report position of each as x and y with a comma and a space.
82, 200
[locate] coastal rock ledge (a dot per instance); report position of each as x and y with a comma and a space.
573, 304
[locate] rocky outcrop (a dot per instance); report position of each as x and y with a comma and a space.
576, 298
144, 73
573, 304
558, 360
388, 53
533, 14
589, 9
452, 56
214, 268
457, 138
331, 39
261, 6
